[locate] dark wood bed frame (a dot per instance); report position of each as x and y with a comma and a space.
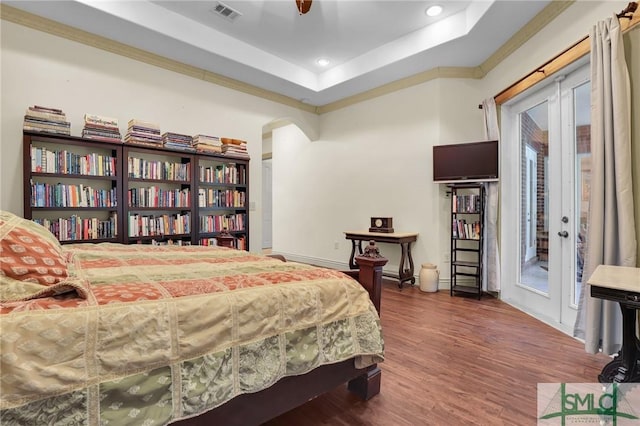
291, 392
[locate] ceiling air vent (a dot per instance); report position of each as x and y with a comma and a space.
226, 12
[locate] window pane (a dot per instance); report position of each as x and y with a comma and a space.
534, 222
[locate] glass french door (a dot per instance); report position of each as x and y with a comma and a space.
545, 193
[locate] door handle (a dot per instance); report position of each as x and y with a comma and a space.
563, 234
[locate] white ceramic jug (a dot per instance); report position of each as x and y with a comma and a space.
429, 276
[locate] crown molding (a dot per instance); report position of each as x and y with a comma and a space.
423, 77
542, 19
35, 22
20, 17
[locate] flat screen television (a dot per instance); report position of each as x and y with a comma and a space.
465, 162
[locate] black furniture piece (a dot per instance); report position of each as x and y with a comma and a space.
467, 238
621, 284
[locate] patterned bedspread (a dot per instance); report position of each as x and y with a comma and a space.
156, 334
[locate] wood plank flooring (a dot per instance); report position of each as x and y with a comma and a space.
455, 361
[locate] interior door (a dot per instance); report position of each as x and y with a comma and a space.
543, 186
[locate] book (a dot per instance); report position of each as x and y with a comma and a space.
101, 120
46, 130
46, 109
58, 118
47, 120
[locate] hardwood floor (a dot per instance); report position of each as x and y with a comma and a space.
455, 361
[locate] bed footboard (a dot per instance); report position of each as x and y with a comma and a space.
369, 272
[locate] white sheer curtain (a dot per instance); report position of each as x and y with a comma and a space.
611, 227
491, 273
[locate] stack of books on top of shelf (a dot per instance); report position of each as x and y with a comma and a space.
207, 144
49, 120
234, 147
99, 128
143, 133
178, 141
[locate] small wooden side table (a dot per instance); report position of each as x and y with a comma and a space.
621, 284
404, 239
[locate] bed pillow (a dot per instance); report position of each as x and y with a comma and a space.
32, 262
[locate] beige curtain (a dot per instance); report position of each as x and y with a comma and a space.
491, 253
611, 227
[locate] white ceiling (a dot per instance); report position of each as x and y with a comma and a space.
271, 46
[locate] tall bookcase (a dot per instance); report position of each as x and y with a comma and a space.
158, 185
222, 200
467, 238
73, 187
88, 191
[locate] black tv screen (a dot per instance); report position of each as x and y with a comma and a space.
465, 162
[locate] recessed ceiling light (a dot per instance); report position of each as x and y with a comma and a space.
434, 10
323, 62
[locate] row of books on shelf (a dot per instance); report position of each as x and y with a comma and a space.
63, 195
466, 203
224, 173
76, 228
178, 142
210, 197
169, 242
48, 120
143, 133
140, 168
240, 242
465, 231
158, 225
217, 223
207, 144
148, 134
139, 132
100, 128
44, 160
234, 147
155, 196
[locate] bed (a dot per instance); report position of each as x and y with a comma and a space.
130, 334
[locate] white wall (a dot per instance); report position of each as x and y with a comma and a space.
372, 159
42, 69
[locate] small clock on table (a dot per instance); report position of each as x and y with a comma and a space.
381, 224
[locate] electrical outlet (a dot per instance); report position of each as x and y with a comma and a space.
336, 245
446, 256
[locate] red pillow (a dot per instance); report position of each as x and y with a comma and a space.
32, 262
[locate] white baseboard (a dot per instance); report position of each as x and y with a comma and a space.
325, 263
390, 269
444, 283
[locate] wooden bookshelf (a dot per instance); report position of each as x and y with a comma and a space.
72, 186
222, 200
151, 195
